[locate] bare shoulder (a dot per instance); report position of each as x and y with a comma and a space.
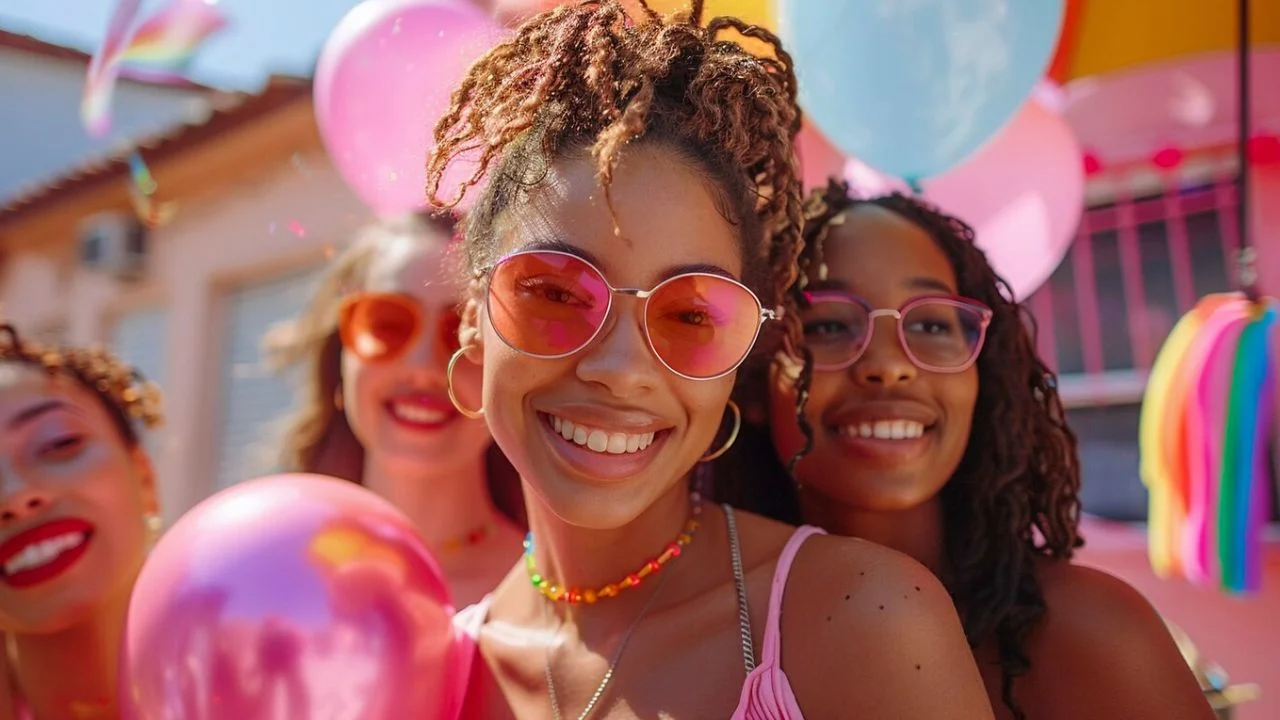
1103, 644
866, 628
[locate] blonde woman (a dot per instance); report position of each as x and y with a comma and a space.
374, 408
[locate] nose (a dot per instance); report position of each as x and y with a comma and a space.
430, 351
20, 499
885, 361
620, 359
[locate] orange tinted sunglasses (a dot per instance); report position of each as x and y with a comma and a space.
381, 327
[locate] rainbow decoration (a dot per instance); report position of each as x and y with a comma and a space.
95, 105
1204, 435
164, 46
159, 50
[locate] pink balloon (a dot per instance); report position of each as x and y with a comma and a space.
1023, 193
383, 80
819, 158
292, 596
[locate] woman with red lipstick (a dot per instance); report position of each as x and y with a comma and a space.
932, 427
78, 512
642, 198
376, 411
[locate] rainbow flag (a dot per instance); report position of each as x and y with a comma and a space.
159, 50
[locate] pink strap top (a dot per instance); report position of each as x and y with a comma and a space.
766, 694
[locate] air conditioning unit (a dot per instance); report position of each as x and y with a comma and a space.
115, 243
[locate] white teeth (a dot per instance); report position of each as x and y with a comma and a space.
43, 552
885, 430
601, 441
411, 412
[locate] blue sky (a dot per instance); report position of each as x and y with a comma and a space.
264, 36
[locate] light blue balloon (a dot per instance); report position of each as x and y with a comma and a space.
913, 87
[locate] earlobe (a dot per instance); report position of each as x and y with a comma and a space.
146, 481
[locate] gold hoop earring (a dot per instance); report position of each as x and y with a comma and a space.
453, 398
733, 436
338, 402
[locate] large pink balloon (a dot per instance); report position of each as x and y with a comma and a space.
384, 78
294, 596
1023, 193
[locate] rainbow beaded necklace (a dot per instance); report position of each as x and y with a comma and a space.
553, 591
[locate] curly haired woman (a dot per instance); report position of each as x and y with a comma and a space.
78, 513
642, 200
922, 419
376, 339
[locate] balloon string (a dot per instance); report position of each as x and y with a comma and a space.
1247, 273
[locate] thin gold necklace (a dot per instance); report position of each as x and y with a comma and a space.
613, 663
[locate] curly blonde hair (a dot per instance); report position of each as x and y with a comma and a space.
316, 437
588, 76
129, 398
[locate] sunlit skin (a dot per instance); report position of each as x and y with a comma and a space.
1102, 651
596, 520
64, 460
420, 452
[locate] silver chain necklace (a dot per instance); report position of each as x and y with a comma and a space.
613, 663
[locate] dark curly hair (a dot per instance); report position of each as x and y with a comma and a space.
1014, 496
589, 77
132, 402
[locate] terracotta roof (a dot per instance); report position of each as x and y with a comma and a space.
35, 46
226, 112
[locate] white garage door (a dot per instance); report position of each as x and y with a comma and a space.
138, 337
253, 398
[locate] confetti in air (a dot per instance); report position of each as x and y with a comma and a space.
159, 51
141, 175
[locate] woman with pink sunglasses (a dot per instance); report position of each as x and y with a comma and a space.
922, 419
642, 196
375, 409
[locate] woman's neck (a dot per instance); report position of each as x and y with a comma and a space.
574, 557
917, 531
72, 674
448, 503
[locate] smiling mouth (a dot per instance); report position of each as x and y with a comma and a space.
889, 429
605, 442
42, 558
420, 414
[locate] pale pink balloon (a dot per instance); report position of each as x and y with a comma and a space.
286, 597
1023, 193
819, 158
1185, 103
383, 80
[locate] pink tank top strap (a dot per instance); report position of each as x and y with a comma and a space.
771, 655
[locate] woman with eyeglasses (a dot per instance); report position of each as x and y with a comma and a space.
922, 419
78, 514
642, 197
375, 409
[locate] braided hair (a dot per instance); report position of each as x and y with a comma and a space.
590, 77
1014, 496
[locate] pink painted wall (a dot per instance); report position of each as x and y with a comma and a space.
1242, 634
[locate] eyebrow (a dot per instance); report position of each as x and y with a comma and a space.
667, 273
35, 412
915, 283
